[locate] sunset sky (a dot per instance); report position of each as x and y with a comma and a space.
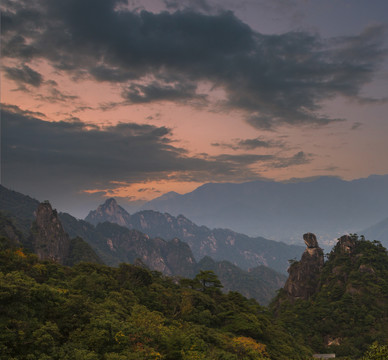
133, 99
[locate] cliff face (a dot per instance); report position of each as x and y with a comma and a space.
169, 257
304, 275
49, 240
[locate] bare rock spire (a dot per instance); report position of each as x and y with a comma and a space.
304, 275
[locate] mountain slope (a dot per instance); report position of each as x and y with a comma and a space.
219, 244
95, 312
344, 309
260, 283
282, 211
18, 206
378, 232
115, 244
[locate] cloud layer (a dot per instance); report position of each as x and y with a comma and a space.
272, 79
74, 156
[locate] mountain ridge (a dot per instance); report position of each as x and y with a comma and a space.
219, 244
116, 244
328, 206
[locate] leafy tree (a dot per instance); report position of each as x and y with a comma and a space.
208, 280
376, 352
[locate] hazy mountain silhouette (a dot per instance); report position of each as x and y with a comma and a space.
378, 231
328, 206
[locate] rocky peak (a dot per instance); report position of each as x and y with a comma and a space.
346, 244
303, 277
310, 240
109, 211
48, 237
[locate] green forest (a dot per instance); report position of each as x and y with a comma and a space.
93, 312
349, 310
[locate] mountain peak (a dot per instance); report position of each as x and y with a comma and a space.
110, 211
110, 201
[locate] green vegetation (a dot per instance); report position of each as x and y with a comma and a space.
81, 251
92, 311
350, 310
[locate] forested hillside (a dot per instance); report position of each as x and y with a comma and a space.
95, 312
348, 311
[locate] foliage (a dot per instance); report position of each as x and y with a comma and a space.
349, 311
96, 312
376, 352
81, 251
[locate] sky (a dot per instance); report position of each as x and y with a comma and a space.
133, 99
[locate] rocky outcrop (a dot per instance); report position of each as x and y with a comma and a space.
109, 211
345, 244
49, 240
304, 275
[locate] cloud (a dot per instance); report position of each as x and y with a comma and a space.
156, 91
273, 79
51, 158
17, 110
249, 144
246, 159
356, 125
193, 5
72, 155
24, 75
55, 95
299, 158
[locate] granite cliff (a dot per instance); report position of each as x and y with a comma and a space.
303, 280
49, 240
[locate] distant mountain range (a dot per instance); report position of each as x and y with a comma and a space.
63, 238
219, 244
327, 206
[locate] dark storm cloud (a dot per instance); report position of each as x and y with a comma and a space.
24, 75
274, 79
75, 155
